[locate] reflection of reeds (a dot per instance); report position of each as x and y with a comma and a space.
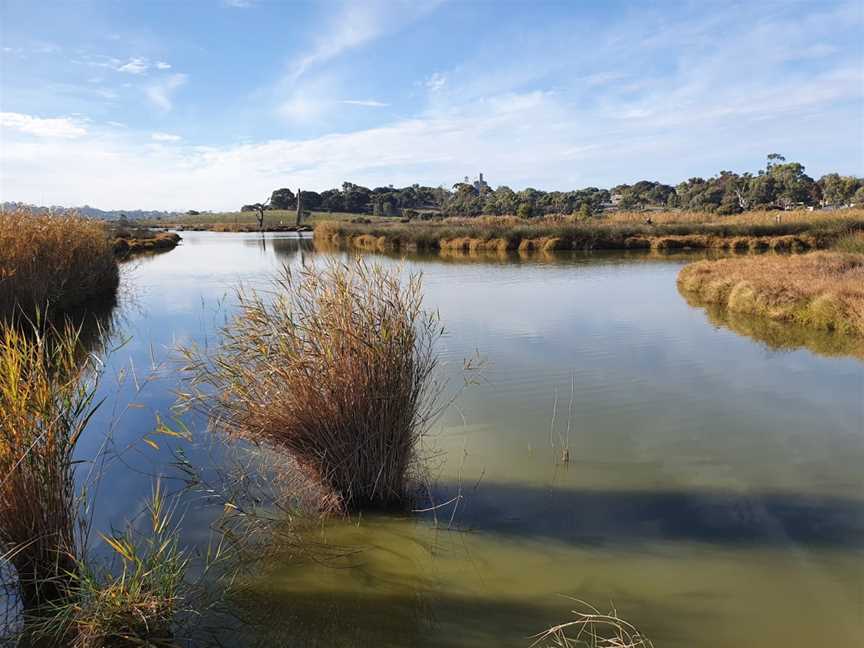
337, 369
45, 405
593, 629
54, 262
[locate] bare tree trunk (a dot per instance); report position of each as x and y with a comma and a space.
299, 206
260, 217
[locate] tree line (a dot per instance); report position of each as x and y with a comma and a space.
780, 185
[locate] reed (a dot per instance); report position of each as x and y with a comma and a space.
336, 366
46, 401
672, 230
822, 290
592, 628
54, 263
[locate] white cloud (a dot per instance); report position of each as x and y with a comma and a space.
435, 82
162, 65
62, 127
134, 66
238, 4
165, 137
160, 93
371, 103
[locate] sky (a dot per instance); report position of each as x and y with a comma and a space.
211, 104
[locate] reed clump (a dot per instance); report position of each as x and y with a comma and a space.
46, 402
823, 290
337, 366
52, 262
592, 628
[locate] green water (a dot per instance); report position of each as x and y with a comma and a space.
713, 490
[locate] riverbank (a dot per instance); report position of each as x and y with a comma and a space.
822, 290
782, 232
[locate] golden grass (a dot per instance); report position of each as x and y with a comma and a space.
52, 263
751, 232
823, 290
337, 369
45, 405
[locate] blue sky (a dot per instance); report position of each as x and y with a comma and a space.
209, 104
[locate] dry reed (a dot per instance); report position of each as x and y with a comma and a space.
824, 290
52, 262
593, 629
337, 367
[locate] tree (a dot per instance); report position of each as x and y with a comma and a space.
525, 210
282, 199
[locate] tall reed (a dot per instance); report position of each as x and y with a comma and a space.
336, 366
46, 401
52, 262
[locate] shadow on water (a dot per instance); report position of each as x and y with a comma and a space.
418, 618
611, 518
779, 336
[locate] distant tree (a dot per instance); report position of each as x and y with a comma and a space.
525, 210
282, 199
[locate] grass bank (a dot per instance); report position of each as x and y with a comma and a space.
757, 232
129, 244
821, 290
275, 220
53, 263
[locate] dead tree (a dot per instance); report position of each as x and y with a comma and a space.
259, 213
299, 206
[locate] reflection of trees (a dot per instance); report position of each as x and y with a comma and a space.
287, 248
779, 336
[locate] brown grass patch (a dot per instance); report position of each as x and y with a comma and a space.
824, 290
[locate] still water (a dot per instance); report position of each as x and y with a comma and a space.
714, 490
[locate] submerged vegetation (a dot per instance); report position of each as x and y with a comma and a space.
53, 263
823, 290
336, 367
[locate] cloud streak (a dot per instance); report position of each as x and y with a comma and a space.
161, 92
57, 127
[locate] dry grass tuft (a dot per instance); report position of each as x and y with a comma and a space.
337, 367
45, 405
52, 263
593, 629
823, 290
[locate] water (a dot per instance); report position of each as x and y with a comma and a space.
713, 493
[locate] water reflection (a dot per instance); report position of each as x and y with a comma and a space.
780, 336
714, 490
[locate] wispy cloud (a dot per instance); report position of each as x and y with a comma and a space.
134, 66
62, 127
165, 137
356, 24
371, 103
162, 65
435, 82
160, 93
238, 4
